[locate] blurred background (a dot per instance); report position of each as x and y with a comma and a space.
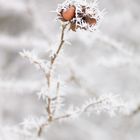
106, 61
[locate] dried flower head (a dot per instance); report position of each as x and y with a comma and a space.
80, 14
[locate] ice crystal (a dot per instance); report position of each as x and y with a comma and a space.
33, 58
111, 104
33, 123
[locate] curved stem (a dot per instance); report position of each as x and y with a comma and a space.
54, 57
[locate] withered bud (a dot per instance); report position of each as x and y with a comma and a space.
90, 21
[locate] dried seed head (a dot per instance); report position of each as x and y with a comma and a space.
80, 14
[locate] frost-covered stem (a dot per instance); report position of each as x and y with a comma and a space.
91, 104
35, 62
60, 45
82, 109
48, 77
53, 58
57, 97
50, 116
79, 110
48, 122
76, 112
106, 103
41, 129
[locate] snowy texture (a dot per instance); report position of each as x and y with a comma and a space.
68, 95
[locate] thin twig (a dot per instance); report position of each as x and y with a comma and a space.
53, 58
50, 116
41, 129
48, 77
80, 110
68, 115
57, 97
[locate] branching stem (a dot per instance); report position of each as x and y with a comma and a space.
48, 77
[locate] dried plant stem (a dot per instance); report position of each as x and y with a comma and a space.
79, 111
48, 77
50, 116
53, 58
57, 98
41, 129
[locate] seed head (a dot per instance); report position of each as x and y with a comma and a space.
80, 14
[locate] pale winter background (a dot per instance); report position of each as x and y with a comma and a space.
103, 62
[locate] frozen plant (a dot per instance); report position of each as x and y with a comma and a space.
73, 14
80, 14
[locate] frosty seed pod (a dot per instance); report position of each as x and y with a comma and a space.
80, 14
68, 14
